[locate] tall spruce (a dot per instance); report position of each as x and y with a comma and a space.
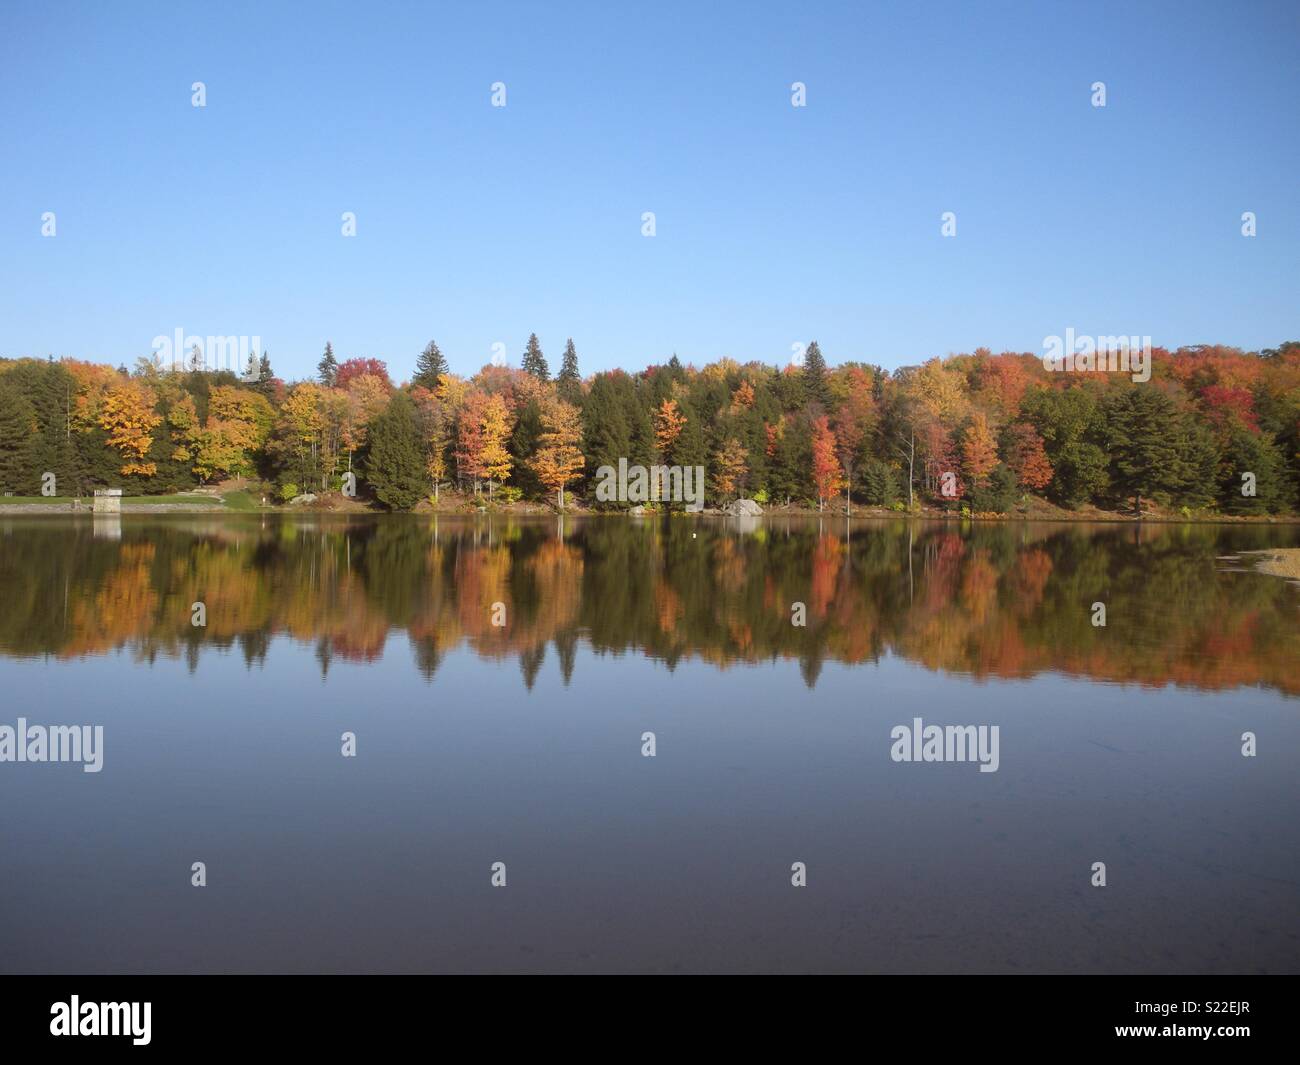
265, 376
327, 370
814, 375
569, 380
534, 361
429, 367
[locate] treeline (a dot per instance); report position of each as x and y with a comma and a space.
1215, 428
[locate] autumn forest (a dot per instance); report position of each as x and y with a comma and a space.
977, 432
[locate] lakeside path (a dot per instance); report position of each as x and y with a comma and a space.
64, 509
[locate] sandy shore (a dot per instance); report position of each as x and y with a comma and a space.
1279, 561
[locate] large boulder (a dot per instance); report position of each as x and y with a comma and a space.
742, 508
306, 497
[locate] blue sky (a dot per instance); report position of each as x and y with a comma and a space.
775, 224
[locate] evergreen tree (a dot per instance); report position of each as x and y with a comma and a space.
1143, 424
814, 375
327, 370
569, 380
17, 420
691, 448
523, 445
1072, 427
1198, 463
534, 361
429, 367
396, 466
605, 432
49, 389
265, 376
790, 470
996, 494
1265, 489
880, 483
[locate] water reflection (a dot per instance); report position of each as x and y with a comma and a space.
1005, 600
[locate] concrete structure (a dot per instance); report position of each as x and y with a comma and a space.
108, 501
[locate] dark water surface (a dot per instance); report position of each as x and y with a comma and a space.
522, 744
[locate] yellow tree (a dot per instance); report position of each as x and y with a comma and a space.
439, 440
194, 444
559, 460
336, 411
669, 422
434, 426
218, 450
302, 422
248, 412
942, 391
451, 391
239, 421
979, 450
184, 420
126, 414
729, 468
495, 458
368, 396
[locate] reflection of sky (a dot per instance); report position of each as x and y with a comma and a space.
617, 861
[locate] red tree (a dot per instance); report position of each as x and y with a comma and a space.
1027, 458
825, 466
356, 367
1222, 403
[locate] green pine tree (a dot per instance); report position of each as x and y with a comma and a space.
17, 422
605, 431
814, 375
569, 380
880, 483
523, 446
534, 361
327, 370
395, 468
429, 367
1252, 474
265, 376
1143, 429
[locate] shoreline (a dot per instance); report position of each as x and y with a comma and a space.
865, 514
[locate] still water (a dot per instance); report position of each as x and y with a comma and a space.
522, 743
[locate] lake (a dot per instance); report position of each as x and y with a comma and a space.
499, 679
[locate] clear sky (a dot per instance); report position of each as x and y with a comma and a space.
774, 224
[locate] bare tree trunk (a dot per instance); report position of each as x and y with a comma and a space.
911, 464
